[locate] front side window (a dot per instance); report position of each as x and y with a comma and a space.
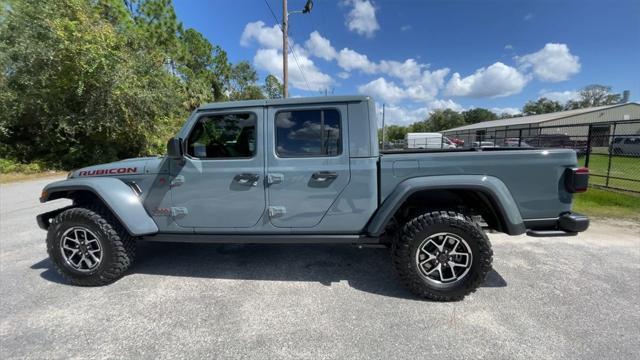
223, 136
308, 133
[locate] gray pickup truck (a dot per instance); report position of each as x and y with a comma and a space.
309, 170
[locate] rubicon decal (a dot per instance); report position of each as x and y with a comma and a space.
114, 171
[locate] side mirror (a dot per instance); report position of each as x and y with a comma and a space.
174, 148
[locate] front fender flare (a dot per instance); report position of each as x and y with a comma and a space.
115, 194
492, 187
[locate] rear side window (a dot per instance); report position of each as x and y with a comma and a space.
308, 133
223, 136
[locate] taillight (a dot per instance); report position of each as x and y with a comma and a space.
576, 180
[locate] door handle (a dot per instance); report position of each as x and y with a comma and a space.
324, 176
247, 179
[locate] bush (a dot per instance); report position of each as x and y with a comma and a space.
12, 166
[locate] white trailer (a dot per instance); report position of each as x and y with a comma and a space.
428, 141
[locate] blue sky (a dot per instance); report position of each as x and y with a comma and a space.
417, 56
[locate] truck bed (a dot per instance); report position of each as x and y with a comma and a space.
533, 176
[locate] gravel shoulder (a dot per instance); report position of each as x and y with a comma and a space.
551, 298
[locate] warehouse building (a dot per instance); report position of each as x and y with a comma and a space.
601, 124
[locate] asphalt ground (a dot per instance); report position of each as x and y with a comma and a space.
547, 298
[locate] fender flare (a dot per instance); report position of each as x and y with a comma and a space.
123, 202
493, 188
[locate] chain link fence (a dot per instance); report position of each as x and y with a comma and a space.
611, 150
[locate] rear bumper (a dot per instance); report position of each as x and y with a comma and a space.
567, 224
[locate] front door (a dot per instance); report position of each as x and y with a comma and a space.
307, 162
220, 182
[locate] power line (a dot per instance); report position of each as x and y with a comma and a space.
295, 57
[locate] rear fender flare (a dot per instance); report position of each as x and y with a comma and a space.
123, 202
493, 188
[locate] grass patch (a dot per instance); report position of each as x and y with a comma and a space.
15, 177
627, 167
12, 171
606, 203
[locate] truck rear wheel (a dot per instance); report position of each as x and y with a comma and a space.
442, 255
89, 247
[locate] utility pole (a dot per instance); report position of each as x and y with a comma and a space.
382, 126
285, 42
285, 49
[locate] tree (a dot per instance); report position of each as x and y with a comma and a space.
273, 89
242, 83
541, 106
85, 82
477, 115
393, 133
438, 120
594, 95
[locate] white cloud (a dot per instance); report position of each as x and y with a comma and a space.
405, 27
528, 16
320, 47
419, 84
552, 63
441, 104
352, 60
383, 90
362, 17
506, 110
497, 80
399, 115
266, 37
344, 75
406, 71
560, 96
270, 60
508, 47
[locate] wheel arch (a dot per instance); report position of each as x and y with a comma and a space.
488, 194
112, 193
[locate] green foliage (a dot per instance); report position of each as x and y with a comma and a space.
85, 82
541, 106
594, 95
10, 166
273, 89
393, 133
438, 120
242, 83
477, 115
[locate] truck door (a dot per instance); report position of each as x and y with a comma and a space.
220, 182
307, 162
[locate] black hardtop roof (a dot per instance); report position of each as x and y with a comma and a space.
287, 101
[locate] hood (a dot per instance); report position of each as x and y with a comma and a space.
134, 166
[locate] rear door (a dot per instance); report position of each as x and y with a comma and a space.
307, 162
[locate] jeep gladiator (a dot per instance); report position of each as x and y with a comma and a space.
309, 170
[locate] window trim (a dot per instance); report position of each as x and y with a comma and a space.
322, 109
223, 113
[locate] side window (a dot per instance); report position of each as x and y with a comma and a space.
223, 136
308, 133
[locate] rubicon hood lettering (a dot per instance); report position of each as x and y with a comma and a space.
114, 171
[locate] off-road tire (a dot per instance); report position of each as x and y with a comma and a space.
118, 246
405, 246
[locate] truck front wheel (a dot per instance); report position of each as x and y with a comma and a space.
88, 247
442, 255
